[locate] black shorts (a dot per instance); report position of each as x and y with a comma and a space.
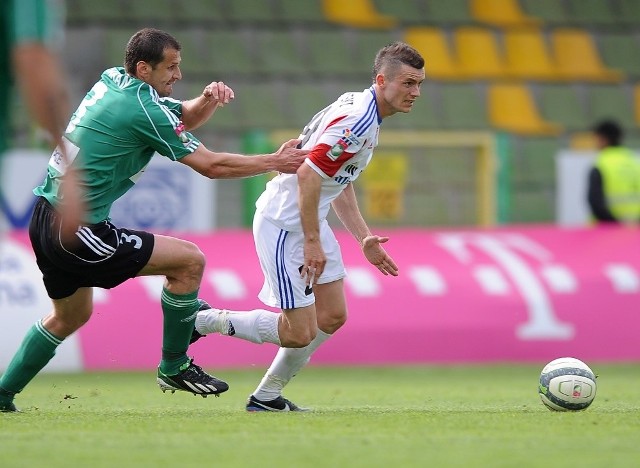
102, 255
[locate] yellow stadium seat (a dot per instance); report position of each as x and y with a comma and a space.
577, 58
356, 13
432, 44
527, 55
512, 108
478, 53
501, 13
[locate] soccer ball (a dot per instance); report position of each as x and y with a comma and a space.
567, 384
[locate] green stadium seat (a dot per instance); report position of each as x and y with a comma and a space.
228, 54
205, 12
590, 12
150, 11
628, 12
550, 11
367, 45
194, 57
532, 205
330, 53
611, 101
304, 101
116, 41
261, 106
444, 12
539, 158
95, 11
408, 11
279, 53
561, 103
299, 13
250, 11
463, 107
620, 51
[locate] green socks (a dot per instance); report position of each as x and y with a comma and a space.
179, 312
36, 350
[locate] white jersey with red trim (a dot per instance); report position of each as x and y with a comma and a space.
341, 138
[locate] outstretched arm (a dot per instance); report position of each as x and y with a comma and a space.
230, 166
346, 207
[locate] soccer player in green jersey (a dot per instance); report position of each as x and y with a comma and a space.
124, 119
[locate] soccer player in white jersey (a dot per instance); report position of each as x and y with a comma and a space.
123, 121
298, 251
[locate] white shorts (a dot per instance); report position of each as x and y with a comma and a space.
281, 255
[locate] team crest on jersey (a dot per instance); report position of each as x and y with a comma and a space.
182, 134
347, 139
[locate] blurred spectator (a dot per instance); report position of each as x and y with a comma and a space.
614, 181
30, 34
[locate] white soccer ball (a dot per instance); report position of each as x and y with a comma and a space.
567, 384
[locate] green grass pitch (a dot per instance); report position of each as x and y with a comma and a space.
433, 416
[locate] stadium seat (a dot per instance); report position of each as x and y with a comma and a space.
432, 43
261, 106
539, 155
463, 107
527, 55
407, 11
299, 13
551, 12
279, 53
356, 13
194, 58
115, 43
205, 12
621, 51
150, 11
478, 53
95, 11
330, 53
561, 103
611, 101
228, 54
590, 12
449, 12
304, 101
513, 108
577, 58
501, 13
367, 44
628, 12
250, 11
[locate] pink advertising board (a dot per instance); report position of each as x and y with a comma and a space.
504, 294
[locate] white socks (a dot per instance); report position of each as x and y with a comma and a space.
286, 364
257, 326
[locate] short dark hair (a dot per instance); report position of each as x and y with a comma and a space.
394, 55
609, 130
148, 45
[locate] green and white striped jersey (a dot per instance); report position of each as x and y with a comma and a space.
111, 138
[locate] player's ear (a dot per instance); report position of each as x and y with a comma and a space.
142, 69
380, 79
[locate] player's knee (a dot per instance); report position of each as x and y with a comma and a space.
332, 322
195, 262
300, 339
